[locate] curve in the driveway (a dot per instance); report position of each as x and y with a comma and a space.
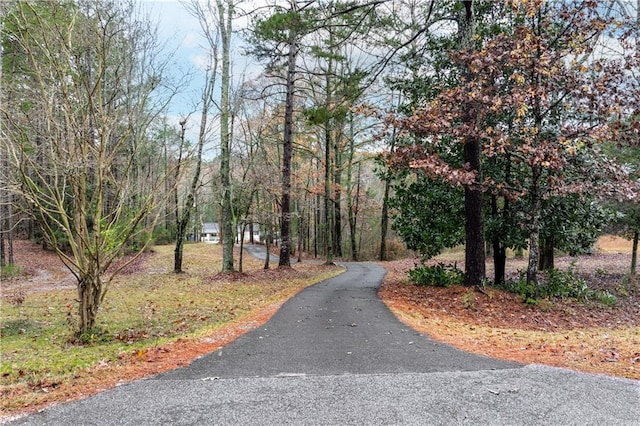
338, 326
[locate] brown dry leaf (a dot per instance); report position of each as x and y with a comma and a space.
530, 334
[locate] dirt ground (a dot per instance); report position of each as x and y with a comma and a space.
42, 270
587, 336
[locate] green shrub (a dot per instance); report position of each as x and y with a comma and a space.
606, 298
10, 271
439, 275
528, 291
559, 285
162, 236
565, 285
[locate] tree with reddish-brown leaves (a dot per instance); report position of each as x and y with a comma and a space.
532, 93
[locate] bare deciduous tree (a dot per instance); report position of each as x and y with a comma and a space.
84, 78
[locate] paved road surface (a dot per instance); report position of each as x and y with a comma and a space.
334, 354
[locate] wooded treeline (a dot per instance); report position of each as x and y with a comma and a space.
498, 125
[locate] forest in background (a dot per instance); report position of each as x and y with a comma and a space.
497, 125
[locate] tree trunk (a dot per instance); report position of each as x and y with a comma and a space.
177, 253
353, 218
225, 135
182, 221
267, 243
243, 227
287, 150
498, 248
384, 220
475, 266
328, 213
473, 197
3, 261
300, 235
534, 229
89, 297
328, 235
634, 253
352, 209
11, 259
307, 234
499, 262
305, 218
337, 199
317, 218
534, 253
546, 254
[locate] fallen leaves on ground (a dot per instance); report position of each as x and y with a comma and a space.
584, 336
581, 336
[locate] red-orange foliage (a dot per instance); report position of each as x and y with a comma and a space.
535, 95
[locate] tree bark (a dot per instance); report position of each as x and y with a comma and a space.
547, 260
3, 261
534, 253
475, 267
182, 221
317, 220
534, 228
337, 199
225, 135
89, 297
267, 243
499, 262
11, 259
634, 253
328, 235
243, 227
352, 209
353, 214
384, 220
498, 248
287, 149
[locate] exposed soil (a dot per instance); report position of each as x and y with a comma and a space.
41, 270
584, 336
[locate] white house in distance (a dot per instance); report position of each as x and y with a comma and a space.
211, 233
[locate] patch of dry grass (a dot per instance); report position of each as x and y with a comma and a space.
145, 314
613, 244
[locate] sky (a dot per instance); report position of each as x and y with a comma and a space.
183, 35
180, 31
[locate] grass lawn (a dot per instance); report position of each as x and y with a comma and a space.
146, 313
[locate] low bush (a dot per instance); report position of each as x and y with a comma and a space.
162, 236
439, 275
10, 271
558, 284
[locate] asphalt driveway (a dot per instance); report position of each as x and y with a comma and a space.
334, 354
